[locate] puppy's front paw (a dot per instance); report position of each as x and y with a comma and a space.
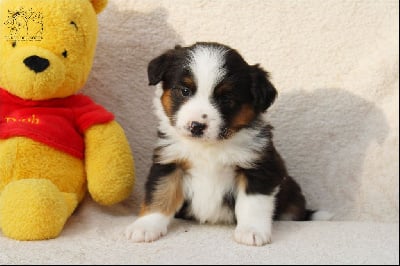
252, 236
147, 228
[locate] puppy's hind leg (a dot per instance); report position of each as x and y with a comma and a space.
291, 204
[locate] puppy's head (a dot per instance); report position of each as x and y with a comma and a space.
209, 91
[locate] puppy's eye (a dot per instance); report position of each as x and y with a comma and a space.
185, 92
65, 53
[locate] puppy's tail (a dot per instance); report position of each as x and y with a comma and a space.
313, 215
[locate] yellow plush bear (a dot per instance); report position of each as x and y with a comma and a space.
55, 143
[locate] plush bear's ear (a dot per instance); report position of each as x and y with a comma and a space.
99, 5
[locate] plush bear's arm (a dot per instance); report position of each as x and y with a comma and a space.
109, 163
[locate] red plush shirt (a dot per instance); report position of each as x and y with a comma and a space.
59, 123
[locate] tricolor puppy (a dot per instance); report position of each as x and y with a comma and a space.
215, 161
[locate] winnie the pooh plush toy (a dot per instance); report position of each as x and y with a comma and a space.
55, 143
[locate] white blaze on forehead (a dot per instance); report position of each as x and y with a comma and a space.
206, 64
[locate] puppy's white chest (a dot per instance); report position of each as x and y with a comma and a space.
206, 186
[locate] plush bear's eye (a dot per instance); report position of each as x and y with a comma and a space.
74, 24
13, 44
65, 53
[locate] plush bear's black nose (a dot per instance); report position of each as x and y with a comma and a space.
36, 63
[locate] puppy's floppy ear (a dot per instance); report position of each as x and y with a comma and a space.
264, 93
157, 68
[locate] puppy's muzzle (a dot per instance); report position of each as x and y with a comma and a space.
197, 129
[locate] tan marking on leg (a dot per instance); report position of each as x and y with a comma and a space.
167, 197
241, 181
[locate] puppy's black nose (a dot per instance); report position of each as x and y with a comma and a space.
36, 63
197, 129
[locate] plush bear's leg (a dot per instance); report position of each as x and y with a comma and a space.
34, 209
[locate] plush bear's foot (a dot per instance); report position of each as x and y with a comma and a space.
34, 209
